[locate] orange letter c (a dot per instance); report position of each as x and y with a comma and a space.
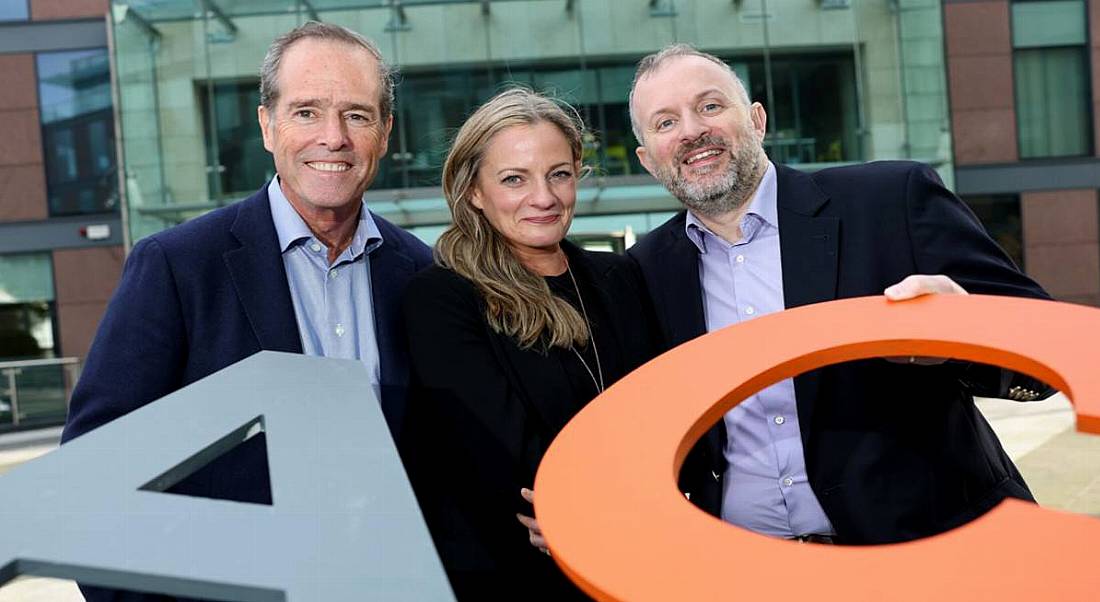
616, 523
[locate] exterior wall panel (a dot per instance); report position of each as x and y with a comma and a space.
22, 140
986, 78
977, 28
20, 88
1062, 243
979, 51
42, 10
84, 280
22, 178
984, 136
23, 192
1062, 217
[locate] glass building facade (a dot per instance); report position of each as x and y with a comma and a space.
842, 80
74, 95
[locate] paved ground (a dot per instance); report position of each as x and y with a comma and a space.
1061, 465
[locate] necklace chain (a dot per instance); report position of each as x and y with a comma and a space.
591, 338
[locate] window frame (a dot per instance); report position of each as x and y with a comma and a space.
1090, 116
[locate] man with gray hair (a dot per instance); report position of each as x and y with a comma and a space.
302, 266
872, 451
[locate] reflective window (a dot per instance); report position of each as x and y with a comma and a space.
242, 164
814, 96
1000, 214
14, 10
74, 93
32, 393
813, 109
430, 107
26, 330
1051, 78
26, 306
1048, 23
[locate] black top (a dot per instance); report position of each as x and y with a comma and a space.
483, 411
597, 356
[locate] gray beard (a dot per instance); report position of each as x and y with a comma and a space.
719, 195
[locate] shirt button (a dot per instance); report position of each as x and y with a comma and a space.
787, 482
780, 420
332, 273
740, 259
339, 330
750, 310
316, 247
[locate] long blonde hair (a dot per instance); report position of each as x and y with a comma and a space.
518, 302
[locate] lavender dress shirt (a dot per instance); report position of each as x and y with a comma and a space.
765, 487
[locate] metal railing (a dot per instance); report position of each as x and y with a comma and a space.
36, 392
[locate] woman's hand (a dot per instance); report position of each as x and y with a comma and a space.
533, 531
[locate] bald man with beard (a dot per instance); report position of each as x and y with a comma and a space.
866, 452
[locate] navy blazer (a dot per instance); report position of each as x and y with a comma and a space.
893, 452
198, 297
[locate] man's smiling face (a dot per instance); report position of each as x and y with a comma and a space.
326, 132
700, 139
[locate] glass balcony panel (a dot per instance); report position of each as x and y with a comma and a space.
35, 394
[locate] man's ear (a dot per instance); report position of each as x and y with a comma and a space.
759, 119
643, 157
264, 118
388, 128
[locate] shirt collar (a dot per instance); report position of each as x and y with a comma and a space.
292, 229
762, 208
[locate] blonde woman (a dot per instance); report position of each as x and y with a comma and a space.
510, 334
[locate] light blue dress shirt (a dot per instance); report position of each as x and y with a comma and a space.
765, 486
332, 303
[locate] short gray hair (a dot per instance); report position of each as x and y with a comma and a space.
652, 62
269, 71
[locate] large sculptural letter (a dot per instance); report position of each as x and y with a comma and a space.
343, 523
615, 522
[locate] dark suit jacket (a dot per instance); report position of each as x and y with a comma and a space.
482, 413
198, 297
893, 452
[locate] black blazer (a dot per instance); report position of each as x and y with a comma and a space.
893, 452
483, 411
